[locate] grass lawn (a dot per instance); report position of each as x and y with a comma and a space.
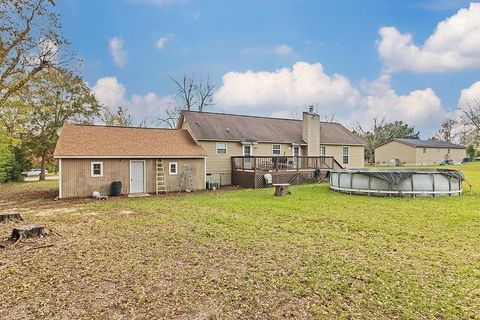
245, 254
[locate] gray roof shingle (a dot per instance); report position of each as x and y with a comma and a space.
429, 143
221, 126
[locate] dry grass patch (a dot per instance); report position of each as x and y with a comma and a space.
245, 254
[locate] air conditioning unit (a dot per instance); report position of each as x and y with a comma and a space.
212, 185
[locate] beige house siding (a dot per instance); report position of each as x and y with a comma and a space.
395, 150
438, 155
356, 155
76, 180
311, 133
219, 166
409, 155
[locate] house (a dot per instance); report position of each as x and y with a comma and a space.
250, 144
418, 152
145, 160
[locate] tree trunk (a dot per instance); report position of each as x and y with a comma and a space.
44, 164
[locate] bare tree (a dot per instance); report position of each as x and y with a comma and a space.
470, 121
371, 137
30, 41
192, 94
446, 131
332, 117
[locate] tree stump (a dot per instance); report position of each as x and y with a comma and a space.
281, 189
29, 231
10, 216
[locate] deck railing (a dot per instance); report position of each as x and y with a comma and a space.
284, 163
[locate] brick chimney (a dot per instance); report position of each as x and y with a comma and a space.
311, 132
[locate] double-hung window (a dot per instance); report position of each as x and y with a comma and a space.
96, 169
276, 149
323, 150
345, 155
172, 168
221, 148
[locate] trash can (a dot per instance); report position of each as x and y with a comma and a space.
116, 189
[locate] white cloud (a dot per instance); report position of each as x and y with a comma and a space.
283, 49
162, 41
470, 94
455, 45
117, 51
112, 94
285, 89
422, 108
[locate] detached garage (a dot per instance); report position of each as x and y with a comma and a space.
418, 152
144, 160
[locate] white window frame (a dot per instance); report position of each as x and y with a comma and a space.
279, 149
217, 148
92, 173
324, 148
299, 151
251, 149
345, 155
170, 172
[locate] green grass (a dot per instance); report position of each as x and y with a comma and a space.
246, 254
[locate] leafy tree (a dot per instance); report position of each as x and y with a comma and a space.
382, 132
55, 97
6, 158
30, 41
471, 152
120, 117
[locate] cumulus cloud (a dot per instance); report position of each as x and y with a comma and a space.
454, 45
162, 41
468, 95
149, 107
117, 51
423, 108
285, 89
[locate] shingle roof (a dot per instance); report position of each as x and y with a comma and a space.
428, 143
221, 126
107, 141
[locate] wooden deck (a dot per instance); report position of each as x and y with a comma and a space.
249, 172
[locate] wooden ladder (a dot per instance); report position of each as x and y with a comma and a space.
161, 184
186, 177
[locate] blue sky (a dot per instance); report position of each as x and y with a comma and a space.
131, 47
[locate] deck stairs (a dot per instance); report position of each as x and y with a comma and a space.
186, 181
160, 182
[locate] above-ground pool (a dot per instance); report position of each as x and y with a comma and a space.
398, 182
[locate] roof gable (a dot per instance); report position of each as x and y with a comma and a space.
106, 141
228, 127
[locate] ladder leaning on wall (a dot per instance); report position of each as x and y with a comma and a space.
160, 183
186, 178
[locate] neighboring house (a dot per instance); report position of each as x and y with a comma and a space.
224, 136
92, 157
418, 152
